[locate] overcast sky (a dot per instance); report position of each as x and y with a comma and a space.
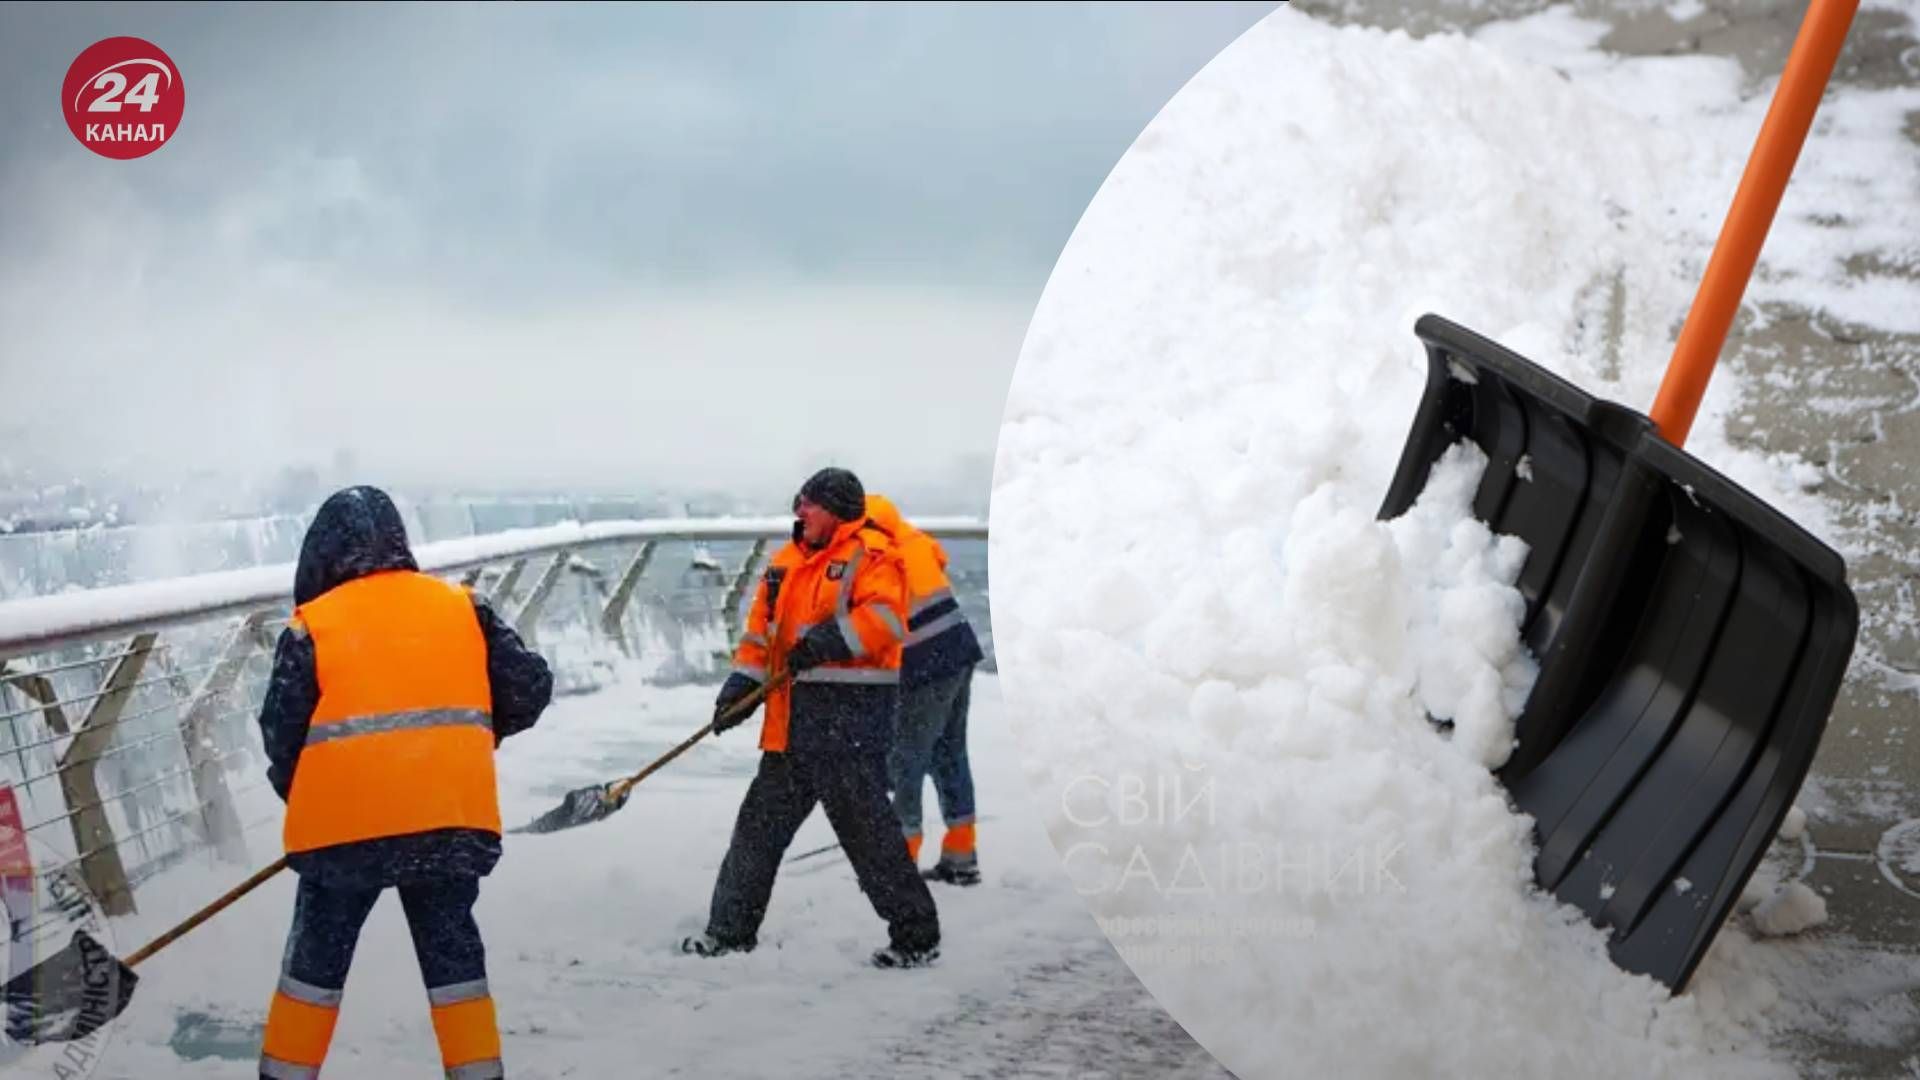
592, 247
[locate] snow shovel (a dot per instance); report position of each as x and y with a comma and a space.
1691, 638
586, 805
81, 988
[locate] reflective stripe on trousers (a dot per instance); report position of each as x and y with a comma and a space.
464, 1024
297, 1037
457, 993
275, 1069
310, 995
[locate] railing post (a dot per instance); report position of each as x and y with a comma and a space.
221, 819
40, 689
613, 618
742, 582
503, 590
100, 865
529, 616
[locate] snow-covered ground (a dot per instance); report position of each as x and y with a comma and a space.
582, 928
1221, 666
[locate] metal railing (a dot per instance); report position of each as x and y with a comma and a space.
126, 712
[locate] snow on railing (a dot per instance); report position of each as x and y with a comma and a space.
39, 623
123, 710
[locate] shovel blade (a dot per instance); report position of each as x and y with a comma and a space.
69, 995
1692, 641
582, 806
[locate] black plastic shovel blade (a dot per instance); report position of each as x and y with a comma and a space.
582, 806
1691, 641
69, 995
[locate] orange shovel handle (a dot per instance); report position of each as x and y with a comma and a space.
1822, 33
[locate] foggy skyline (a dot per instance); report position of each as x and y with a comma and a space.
559, 246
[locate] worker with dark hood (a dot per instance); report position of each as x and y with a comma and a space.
390, 691
831, 608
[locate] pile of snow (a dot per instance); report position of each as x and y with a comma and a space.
1789, 911
1221, 666
1795, 825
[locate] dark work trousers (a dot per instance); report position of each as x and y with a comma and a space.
932, 740
327, 922
836, 758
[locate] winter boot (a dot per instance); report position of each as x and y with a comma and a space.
893, 956
955, 870
706, 944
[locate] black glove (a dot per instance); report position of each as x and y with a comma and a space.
820, 645
732, 692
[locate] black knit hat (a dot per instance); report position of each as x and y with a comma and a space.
838, 492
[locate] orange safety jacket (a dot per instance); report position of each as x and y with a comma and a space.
857, 583
939, 641
402, 738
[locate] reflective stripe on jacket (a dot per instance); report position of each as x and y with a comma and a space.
402, 738
856, 583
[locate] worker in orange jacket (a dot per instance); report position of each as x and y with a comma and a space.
390, 691
831, 607
936, 677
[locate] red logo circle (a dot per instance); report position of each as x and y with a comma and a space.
123, 98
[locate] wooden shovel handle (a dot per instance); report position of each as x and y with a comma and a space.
619, 790
1809, 66
207, 912
740, 708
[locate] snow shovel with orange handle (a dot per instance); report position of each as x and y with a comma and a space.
1691, 638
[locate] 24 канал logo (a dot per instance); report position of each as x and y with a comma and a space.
123, 98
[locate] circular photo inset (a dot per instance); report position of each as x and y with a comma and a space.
1271, 679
